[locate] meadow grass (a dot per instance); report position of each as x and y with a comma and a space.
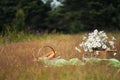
16, 60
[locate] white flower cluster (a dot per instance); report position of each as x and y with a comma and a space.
97, 40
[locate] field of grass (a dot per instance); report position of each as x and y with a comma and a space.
16, 60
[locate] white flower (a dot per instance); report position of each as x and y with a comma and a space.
99, 45
76, 48
95, 32
84, 38
104, 35
113, 38
104, 46
90, 50
101, 32
112, 44
114, 54
85, 50
97, 52
108, 49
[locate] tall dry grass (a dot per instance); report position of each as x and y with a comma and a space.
16, 61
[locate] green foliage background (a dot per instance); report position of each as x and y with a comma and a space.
75, 16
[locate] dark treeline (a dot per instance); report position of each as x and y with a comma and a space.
73, 17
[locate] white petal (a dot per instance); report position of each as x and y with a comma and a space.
114, 54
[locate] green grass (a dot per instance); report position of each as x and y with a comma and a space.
16, 60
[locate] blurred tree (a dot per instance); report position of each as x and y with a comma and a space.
30, 13
7, 12
77, 15
36, 13
72, 17
19, 21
